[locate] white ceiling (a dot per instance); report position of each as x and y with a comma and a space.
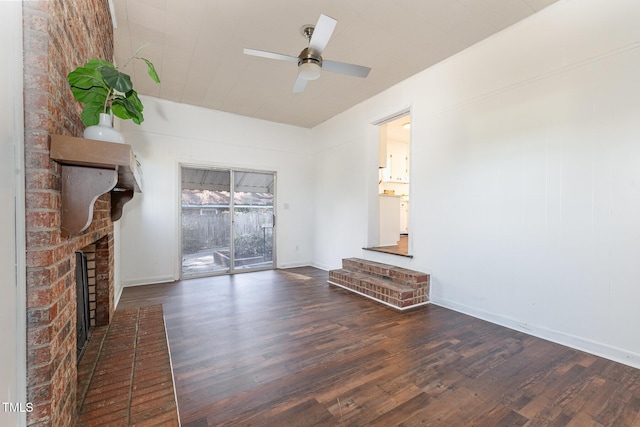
196, 46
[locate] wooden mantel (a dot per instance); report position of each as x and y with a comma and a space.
89, 169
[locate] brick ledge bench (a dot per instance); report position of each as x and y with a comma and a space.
396, 287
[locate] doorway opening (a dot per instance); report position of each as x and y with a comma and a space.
227, 221
393, 185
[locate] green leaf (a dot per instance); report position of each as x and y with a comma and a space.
151, 70
132, 97
124, 109
119, 111
137, 120
97, 63
116, 79
93, 94
91, 113
85, 78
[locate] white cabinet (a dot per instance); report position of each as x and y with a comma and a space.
404, 216
397, 165
389, 228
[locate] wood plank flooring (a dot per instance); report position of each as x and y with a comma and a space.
282, 347
402, 248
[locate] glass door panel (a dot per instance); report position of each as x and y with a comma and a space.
206, 222
253, 220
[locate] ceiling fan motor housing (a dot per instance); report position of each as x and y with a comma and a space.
309, 64
308, 55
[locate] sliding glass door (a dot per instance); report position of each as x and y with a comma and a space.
253, 218
227, 221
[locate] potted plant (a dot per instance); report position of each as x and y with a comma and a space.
105, 90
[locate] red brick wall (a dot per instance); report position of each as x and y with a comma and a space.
104, 280
59, 35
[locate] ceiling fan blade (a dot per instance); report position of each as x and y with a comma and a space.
299, 85
344, 68
322, 33
270, 55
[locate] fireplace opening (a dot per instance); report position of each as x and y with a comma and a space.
82, 298
85, 296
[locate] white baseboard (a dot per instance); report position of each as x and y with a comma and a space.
322, 266
558, 337
147, 281
294, 265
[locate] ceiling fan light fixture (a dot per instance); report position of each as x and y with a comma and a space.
310, 63
309, 70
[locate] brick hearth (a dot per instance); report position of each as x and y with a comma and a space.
125, 377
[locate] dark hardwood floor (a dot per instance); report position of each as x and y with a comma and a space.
283, 347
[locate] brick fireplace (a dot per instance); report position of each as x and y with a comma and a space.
59, 35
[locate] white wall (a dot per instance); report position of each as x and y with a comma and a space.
347, 184
525, 177
12, 261
174, 134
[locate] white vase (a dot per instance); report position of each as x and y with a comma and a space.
103, 131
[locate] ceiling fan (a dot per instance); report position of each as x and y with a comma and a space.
310, 60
